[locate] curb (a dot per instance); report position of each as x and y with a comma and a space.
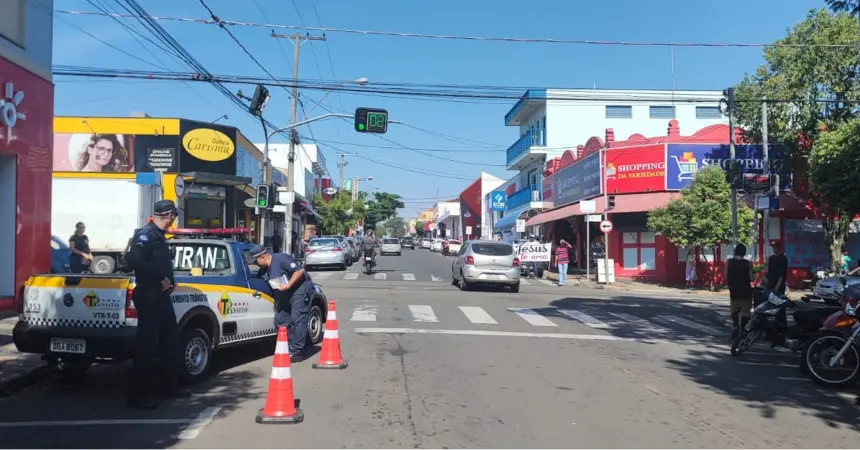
24, 380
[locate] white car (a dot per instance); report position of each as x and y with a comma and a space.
454, 246
390, 246
437, 245
426, 243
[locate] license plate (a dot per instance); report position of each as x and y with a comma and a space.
368, 258
495, 277
68, 345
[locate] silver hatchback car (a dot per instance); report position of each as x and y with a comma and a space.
327, 252
486, 262
390, 245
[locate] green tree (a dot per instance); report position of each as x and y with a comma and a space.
396, 226
382, 207
798, 69
851, 7
419, 228
339, 213
702, 217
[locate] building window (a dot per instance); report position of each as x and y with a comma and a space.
12, 21
708, 112
619, 112
662, 112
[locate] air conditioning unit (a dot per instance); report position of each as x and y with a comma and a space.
535, 196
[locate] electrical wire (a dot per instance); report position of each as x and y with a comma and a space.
392, 147
473, 38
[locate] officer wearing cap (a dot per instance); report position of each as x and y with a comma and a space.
157, 331
292, 299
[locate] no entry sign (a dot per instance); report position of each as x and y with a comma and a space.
606, 226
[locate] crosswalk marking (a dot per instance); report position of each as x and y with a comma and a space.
434, 278
321, 275
642, 323
422, 313
408, 277
380, 276
691, 324
584, 318
476, 314
531, 316
546, 282
351, 276
364, 313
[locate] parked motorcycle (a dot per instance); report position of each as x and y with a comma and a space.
769, 321
832, 356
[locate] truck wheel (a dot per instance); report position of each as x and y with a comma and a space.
103, 265
196, 355
315, 325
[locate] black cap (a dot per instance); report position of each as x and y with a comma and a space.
164, 207
257, 251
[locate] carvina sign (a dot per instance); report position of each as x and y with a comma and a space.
208, 145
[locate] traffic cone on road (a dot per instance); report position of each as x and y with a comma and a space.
330, 356
280, 404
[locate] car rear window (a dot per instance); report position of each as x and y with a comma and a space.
323, 243
454, 241
390, 241
493, 249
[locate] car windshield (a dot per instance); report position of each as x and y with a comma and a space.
493, 249
323, 243
390, 241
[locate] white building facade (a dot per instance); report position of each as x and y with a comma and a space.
446, 215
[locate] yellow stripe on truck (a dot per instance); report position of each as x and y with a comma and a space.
86, 283
225, 288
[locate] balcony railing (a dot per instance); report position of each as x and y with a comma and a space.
532, 138
523, 196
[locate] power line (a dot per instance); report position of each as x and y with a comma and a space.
476, 38
392, 147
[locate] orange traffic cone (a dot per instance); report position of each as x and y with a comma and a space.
330, 357
280, 404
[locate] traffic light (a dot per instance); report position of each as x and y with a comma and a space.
610, 203
735, 175
775, 186
263, 196
369, 120
258, 103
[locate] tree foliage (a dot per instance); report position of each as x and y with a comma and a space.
802, 69
851, 7
339, 213
419, 229
701, 217
382, 207
396, 226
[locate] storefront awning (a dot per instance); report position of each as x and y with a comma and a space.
629, 203
215, 178
506, 222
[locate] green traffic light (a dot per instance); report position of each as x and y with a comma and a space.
361, 126
261, 203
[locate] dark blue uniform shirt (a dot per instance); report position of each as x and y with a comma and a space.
149, 257
284, 264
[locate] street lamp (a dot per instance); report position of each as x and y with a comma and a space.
360, 82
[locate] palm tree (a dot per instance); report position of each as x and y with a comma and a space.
850, 6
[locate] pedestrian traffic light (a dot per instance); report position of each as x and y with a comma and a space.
369, 120
774, 185
262, 196
610, 203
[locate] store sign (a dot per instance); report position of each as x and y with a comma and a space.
534, 252
547, 185
578, 181
208, 145
9, 114
683, 161
636, 169
498, 200
161, 158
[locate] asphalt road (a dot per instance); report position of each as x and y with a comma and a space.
433, 367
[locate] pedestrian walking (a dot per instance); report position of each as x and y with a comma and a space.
690, 268
739, 277
562, 259
157, 353
777, 269
79, 247
293, 290
846, 262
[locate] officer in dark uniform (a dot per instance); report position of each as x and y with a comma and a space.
292, 298
157, 331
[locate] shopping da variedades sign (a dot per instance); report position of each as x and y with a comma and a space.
684, 161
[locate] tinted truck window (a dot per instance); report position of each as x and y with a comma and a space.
493, 249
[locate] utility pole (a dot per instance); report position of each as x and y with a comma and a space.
603, 182
341, 165
298, 40
766, 160
731, 110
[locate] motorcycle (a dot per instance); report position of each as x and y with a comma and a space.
444, 249
368, 261
832, 357
769, 321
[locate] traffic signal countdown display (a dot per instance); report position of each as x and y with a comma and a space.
370, 120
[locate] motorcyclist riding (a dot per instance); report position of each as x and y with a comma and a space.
369, 245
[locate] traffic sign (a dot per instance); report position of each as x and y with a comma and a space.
606, 226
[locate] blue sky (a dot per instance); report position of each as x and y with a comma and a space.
395, 59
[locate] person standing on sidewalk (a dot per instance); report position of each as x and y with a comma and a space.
562, 259
79, 247
777, 270
739, 276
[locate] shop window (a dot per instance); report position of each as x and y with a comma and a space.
13, 21
630, 256
630, 238
647, 258
638, 251
648, 237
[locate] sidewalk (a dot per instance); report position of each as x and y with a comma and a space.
17, 370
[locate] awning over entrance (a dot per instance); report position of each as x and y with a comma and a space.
241, 183
629, 203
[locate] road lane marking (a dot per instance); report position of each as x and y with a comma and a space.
546, 282
86, 423
524, 281
351, 276
583, 337
531, 316
321, 275
691, 324
197, 425
640, 323
408, 277
380, 276
580, 316
422, 313
434, 278
476, 314
364, 313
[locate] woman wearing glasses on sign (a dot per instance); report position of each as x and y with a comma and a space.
103, 153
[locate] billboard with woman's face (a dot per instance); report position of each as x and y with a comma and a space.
93, 153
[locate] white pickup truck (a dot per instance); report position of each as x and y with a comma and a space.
75, 320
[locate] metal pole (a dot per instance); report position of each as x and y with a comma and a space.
266, 181
766, 158
291, 154
587, 248
605, 214
731, 107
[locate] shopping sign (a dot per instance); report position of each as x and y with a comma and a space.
683, 161
578, 181
636, 169
498, 200
529, 252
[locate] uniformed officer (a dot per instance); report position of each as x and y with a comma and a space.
292, 299
157, 331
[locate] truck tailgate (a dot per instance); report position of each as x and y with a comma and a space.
96, 301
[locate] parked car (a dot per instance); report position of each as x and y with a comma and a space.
486, 262
454, 246
390, 245
825, 288
426, 243
354, 248
343, 243
327, 252
59, 256
407, 242
437, 245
